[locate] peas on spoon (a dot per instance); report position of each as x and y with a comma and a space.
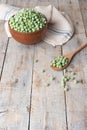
61, 62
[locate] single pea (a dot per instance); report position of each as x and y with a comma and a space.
63, 83
65, 78
66, 88
43, 70
48, 84
53, 78
75, 81
60, 66
53, 61
54, 64
72, 78
36, 60
73, 73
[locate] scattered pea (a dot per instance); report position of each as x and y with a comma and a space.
73, 73
63, 83
68, 76
53, 78
66, 88
48, 84
72, 78
75, 81
36, 60
65, 78
43, 71
65, 70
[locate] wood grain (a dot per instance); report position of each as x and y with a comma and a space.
71, 7
47, 106
3, 1
76, 97
76, 104
83, 7
16, 86
30, 3
47, 96
29, 98
3, 46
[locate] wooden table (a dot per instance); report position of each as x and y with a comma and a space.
26, 103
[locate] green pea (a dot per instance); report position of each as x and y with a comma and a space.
54, 64
63, 83
60, 61
43, 71
36, 60
48, 84
27, 18
72, 78
75, 81
66, 88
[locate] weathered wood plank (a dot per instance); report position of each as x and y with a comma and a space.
76, 97
33, 3
83, 4
26, 3
3, 45
30, 3
86, 30
3, 1
45, 115
83, 7
3, 42
71, 7
47, 106
15, 87
84, 14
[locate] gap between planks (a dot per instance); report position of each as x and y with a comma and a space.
4, 59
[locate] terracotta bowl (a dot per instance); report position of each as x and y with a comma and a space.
28, 38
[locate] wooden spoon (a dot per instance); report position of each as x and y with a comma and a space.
70, 56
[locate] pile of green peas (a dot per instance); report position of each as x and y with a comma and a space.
27, 20
59, 62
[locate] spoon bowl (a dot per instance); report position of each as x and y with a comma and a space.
58, 69
69, 56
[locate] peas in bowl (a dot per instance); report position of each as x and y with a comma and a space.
28, 26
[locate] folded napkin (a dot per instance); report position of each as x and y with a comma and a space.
60, 28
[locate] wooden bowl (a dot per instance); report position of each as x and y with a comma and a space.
28, 38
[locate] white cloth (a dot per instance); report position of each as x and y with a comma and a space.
60, 28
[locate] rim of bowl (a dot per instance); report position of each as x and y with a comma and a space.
27, 32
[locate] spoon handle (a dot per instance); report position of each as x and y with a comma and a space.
79, 49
